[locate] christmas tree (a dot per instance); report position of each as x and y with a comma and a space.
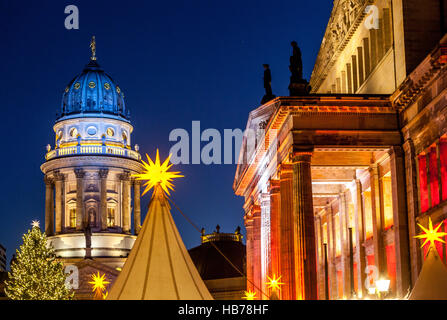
35, 272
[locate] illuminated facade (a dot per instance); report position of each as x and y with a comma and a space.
338, 179
88, 205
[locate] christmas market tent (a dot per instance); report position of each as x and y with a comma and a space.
432, 281
159, 266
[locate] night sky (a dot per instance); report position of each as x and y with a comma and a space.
176, 62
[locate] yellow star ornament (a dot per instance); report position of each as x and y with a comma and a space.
157, 173
431, 235
274, 282
99, 282
249, 295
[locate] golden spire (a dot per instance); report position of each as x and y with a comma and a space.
93, 47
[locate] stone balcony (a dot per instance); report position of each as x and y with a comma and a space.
77, 150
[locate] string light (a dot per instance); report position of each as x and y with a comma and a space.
274, 282
249, 295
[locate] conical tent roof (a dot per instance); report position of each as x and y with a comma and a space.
432, 281
159, 266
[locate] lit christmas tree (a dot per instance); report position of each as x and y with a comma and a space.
35, 272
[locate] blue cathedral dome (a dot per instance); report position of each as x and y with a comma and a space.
93, 93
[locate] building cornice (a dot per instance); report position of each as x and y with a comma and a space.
344, 21
427, 71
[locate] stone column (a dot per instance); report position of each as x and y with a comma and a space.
125, 177
400, 219
306, 264
413, 208
137, 206
367, 57
275, 211
248, 221
287, 240
321, 272
257, 276
59, 178
344, 244
103, 200
80, 173
373, 46
349, 75
377, 222
360, 65
49, 206
359, 239
332, 253
264, 199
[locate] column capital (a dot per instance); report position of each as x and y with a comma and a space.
135, 181
103, 172
79, 172
274, 186
395, 151
48, 180
125, 176
284, 168
408, 146
58, 176
297, 156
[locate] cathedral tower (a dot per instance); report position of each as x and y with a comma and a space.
88, 204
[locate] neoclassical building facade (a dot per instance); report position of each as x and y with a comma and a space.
91, 196
339, 179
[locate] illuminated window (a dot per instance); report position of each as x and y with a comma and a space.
351, 213
110, 132
423, 185
443, 158
73, 218
92, 217
337, 235
387, 197
368, 213
110, 217
73, 132
434, 179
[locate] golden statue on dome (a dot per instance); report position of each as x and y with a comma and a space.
93, 47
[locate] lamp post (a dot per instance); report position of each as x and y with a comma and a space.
382, 287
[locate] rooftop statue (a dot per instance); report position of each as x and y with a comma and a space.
298, 86
267, 85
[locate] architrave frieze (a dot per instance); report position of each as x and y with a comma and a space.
345, 18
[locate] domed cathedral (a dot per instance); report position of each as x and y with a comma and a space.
88, 173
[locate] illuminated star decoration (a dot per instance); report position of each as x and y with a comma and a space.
157, 173
99, 282
274, 282
35, 223
249, 295
431, 234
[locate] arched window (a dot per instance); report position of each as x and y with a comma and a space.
92, 217
110, 217
72, 218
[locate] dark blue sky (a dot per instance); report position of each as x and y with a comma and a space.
176, 61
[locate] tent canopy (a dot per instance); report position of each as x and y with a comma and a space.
159, 266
